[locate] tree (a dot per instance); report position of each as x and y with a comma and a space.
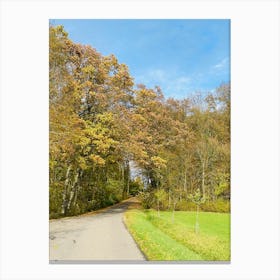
100, 125
198, 199
87, 133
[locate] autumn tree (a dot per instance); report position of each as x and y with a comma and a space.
100, 125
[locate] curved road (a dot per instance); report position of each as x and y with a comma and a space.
97, 236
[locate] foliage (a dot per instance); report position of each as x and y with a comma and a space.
100, 124
147, 199
135, 187
219, 205
197, 197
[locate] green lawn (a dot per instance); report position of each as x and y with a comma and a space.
161, 239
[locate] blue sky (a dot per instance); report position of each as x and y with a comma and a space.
180, 56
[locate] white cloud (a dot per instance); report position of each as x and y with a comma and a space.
221, 64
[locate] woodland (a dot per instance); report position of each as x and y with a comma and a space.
110, 139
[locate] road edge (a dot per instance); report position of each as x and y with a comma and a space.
143, 254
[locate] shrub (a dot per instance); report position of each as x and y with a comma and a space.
74, 210
55, 215
55, 200
219, 205
147, 199
185, 205
135, 187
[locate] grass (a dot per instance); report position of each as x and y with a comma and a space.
161, 239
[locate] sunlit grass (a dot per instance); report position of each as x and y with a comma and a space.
155, 244
161, 239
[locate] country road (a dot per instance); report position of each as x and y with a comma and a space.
100, 236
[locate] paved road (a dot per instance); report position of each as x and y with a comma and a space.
93, 237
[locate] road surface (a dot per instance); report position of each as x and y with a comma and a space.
98, 236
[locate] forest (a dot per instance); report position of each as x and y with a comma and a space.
110, 138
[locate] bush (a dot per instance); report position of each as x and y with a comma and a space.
74, 210
147, 199
220, 205
135, 187
55, 200
185, 205
55, 216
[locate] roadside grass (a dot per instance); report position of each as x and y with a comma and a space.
154, 243
161, 239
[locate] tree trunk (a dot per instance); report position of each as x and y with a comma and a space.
128, 177
64, 197
169, 199
196, 221
174, 205
77, 190
73, 189
123, 181
203, 179
127, 188
185, 183
158, 207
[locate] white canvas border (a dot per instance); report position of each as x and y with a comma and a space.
255, 137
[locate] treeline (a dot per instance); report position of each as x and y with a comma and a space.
109, 138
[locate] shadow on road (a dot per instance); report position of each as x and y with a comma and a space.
121, 207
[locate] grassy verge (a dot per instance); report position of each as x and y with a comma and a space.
161, 239
154, 243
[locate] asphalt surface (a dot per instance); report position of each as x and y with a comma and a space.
93, 237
